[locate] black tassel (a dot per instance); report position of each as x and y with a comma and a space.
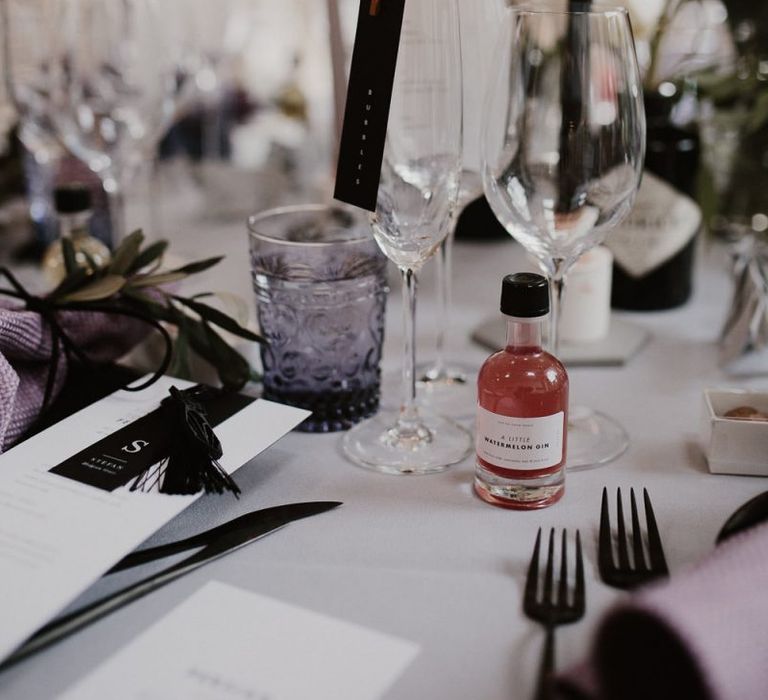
194, 450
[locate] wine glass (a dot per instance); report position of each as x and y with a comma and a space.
446, 382
416, 198
563, 152
114, 88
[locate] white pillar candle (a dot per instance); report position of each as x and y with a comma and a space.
586, 308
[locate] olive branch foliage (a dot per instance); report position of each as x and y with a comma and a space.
134, 279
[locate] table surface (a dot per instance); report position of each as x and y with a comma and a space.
422, 558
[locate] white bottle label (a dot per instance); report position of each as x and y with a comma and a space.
519, 443
659, 226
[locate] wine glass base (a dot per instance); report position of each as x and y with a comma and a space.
432, 445
594, 439
448, 391
451, 375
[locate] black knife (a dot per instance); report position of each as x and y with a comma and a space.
244, 523
260, 524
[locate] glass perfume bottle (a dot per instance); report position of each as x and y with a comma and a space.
73, 209
522, 411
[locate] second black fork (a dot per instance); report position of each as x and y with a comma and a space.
626, 574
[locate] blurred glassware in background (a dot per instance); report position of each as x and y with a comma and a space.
734, 130
260, 127
247, 86
114, 85
26, 24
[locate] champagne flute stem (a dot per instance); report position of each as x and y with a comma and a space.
408, 412
443, 274
556, 291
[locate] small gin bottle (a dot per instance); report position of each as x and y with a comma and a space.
522, 406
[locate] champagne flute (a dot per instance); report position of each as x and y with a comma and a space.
416, 199
446, 382
563, 153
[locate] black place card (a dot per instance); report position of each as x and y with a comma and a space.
120, 457
369, 94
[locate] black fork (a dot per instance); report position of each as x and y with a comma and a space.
551, 610
626, 574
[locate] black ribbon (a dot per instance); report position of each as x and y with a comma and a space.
48, 309
191, 463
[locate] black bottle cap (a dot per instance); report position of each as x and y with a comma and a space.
525, 294
72, 199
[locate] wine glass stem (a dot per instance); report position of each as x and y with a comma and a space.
408, 411
556, 291
443, 275
113, 186
116, 199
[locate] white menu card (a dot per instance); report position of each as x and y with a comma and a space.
224, 642
58, 536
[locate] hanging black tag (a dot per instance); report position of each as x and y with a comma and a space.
369, 93
117, 459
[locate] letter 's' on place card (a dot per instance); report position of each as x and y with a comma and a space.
121, 456
369, 93
225, 642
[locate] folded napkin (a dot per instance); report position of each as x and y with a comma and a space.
25, 355
702, 635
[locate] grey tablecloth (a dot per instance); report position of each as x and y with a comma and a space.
422, 558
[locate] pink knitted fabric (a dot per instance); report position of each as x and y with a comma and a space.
25, 351
702, 635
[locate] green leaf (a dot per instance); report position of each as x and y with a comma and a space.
69, 283
70, 257
725, 89
219, 319
156, 280
97, 290
158, 311
234, 306
759, 114
149, 255
180, 362
706, 195
232, 368
92, 264
126, 253
199, 266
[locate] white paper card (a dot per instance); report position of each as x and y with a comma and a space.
224, 642
58, 536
